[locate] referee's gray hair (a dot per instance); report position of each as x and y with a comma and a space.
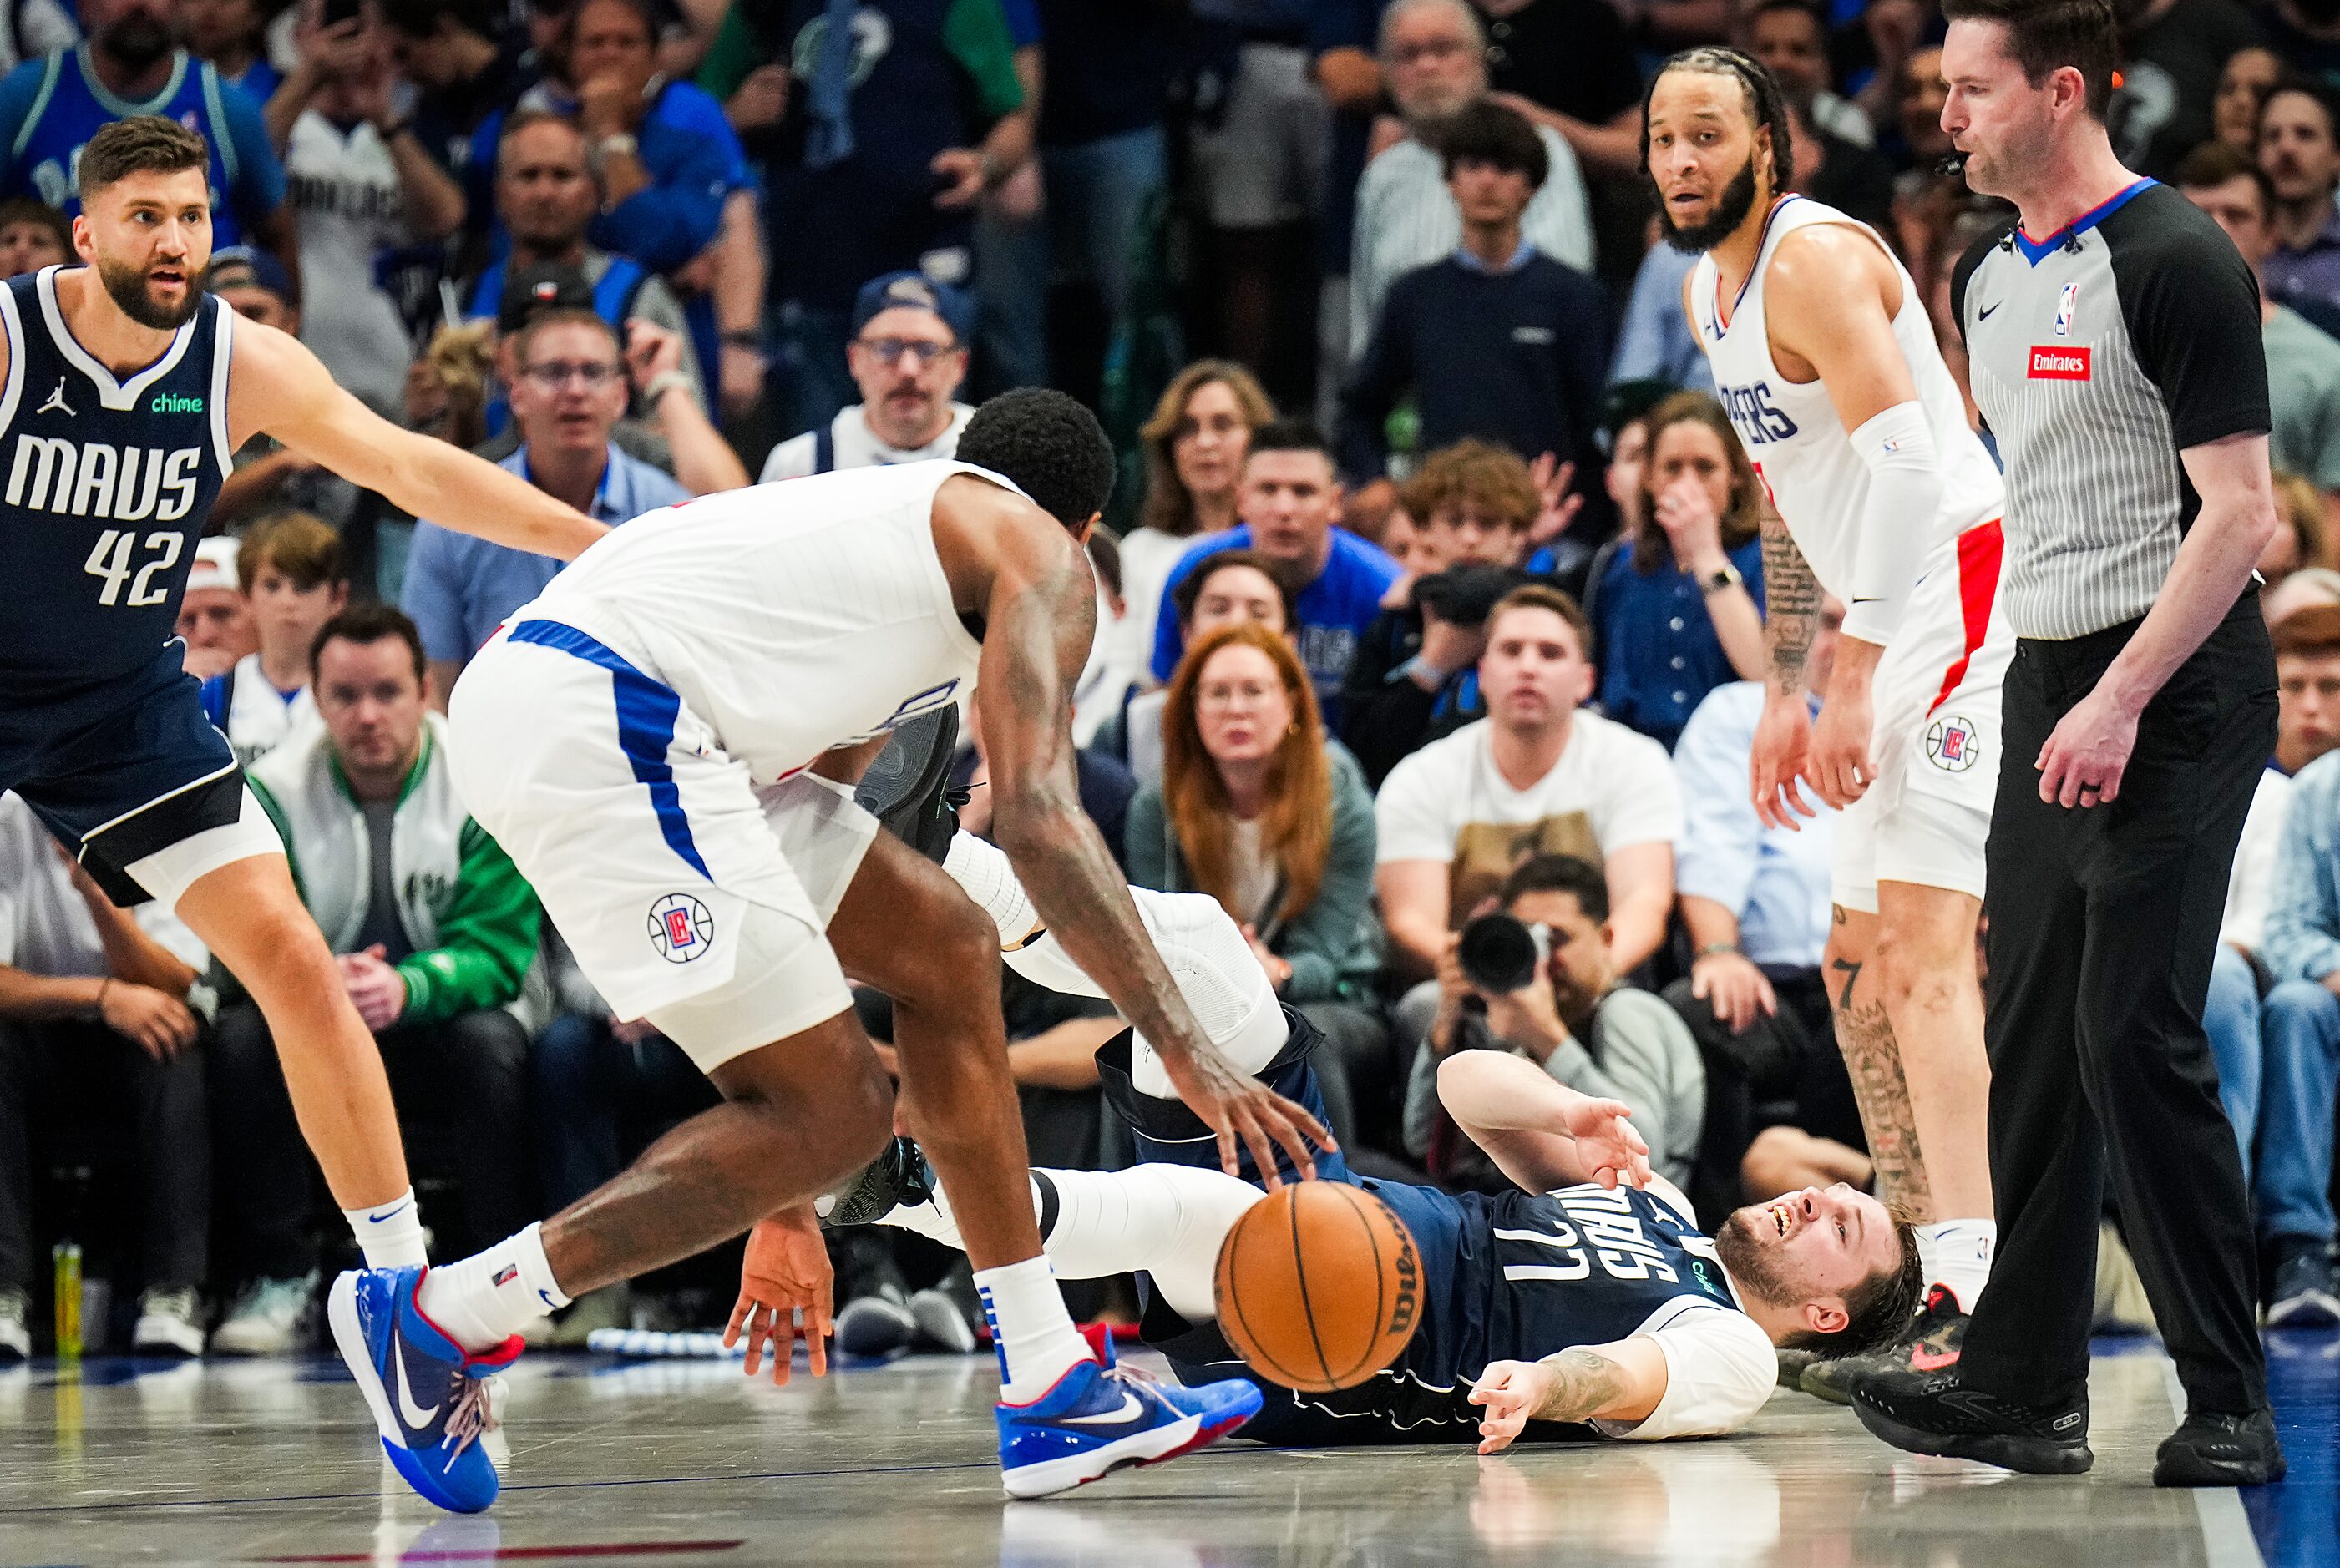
1463, 8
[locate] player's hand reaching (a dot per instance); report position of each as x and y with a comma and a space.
1613, 1152
1512, 1391
1783, 743
785, 1285
1239, 1107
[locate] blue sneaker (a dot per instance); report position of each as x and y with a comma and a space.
431, 1422
1100, 1417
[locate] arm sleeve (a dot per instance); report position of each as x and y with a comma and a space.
260, 173
1897, 517
2302, 907
432, 595
487, 938
1722, 836
1381, 375
976, 33
1145, 850
2193, 313
1318, 945
1720, 1369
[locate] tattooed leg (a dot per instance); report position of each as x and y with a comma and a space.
1873, 1057
1925, 969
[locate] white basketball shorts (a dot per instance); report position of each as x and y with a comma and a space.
1936, 696
689, 896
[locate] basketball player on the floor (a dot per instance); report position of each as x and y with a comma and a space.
641, 740
1825, 358
126, 391
1577, 1300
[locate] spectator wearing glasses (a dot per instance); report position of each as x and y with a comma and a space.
908, 355
567, 395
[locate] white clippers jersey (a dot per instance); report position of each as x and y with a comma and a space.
793, 618
1791, 431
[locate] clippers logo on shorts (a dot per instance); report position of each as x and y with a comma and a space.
1951, 744
2058, 364
681, 928
2064, 308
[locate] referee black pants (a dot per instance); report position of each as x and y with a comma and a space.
2103, 924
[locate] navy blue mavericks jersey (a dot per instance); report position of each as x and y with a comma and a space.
104, 488
70, 105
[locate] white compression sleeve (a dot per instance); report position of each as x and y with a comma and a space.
1897, 524
1204, 948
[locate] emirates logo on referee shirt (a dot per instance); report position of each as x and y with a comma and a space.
2058, 364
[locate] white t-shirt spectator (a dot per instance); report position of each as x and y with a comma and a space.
45, 929
1448, 803
344, 186
856, 446
2251, 881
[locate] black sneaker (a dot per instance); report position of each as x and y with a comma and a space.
1929, 1344
1934, 1413
907, 790
2305, 1296
2217, 1450
873, 1314
899, 1178
949, 1312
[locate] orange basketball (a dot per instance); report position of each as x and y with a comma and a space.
1318, 1287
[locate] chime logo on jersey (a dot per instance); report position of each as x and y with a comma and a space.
681, 928
99, 479
1951, 744
2063, 308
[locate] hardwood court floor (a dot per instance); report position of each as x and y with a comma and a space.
684, 1464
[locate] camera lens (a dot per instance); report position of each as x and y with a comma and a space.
1498, 953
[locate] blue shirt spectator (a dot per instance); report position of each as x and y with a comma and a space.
51, 107
1655, 643
1775, 879
1654, 342
1335, 608
459, 589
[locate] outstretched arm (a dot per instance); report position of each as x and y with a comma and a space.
1039, 603
1541, 1133
279, 387
1621, 1381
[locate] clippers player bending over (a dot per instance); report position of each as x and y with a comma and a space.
661, 742
1825, 358
127, 389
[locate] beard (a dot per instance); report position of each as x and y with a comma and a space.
1731, 209
137, 41
1750, 1263
128, 287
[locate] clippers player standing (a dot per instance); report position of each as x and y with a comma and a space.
1826, 360
126, 391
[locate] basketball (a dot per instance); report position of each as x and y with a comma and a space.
1318, 1287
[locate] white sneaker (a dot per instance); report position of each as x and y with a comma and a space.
16, 1334
170, 1323
269, 1318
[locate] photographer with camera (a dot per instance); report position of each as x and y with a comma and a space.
1532, 974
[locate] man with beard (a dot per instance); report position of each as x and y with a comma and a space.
1583, 1303
1825, 357
126, 389
51, 107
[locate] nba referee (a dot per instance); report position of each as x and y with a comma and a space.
2114, 344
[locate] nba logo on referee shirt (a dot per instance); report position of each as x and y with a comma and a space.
1951, 744
681, 928
2063, 308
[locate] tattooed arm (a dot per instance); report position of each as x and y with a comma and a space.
1791, 609
1619, 1380
1024, 575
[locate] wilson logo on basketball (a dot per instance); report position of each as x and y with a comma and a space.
1409, 1291
2058, 364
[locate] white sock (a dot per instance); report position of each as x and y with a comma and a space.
1957, 1253
390, 1234
491, 1295
1035, 1335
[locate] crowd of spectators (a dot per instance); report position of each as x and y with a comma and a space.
1433, 597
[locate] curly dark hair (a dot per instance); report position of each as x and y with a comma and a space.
1049, 446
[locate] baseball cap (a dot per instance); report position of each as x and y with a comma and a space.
243, 267
913, 291
214, 564
546, 286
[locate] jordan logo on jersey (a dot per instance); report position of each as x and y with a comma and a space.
56, 403
99, 479
1753, 412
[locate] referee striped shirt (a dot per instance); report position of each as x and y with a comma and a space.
2097, 355
1406, 218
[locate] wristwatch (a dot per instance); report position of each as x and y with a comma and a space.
1724, 576
617, 143
662, 383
